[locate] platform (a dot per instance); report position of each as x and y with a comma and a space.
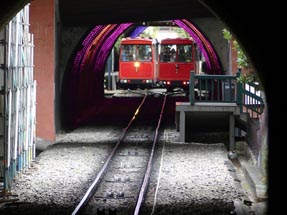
206, 116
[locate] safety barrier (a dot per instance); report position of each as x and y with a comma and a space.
226, 89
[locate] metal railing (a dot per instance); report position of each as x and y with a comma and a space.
226, 89
252, 100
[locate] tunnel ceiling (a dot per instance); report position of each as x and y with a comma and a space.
8, 9
87, 12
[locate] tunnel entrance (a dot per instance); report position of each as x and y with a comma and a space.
83, 83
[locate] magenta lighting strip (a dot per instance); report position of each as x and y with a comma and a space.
102, 47
107, 44
85, 80
88, 40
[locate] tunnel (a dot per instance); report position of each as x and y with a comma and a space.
244, 23
83, 89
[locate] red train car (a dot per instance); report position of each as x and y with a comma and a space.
137, 63
144, 63
176, 60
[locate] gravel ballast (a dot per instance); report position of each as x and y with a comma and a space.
187, 178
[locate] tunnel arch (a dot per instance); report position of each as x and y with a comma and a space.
84, 78
245, 22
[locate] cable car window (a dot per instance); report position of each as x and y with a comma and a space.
167, 53
144, 53
184, 53
128, 53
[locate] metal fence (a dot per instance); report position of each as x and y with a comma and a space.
226, 89
18, 99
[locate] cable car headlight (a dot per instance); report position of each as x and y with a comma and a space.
137, 64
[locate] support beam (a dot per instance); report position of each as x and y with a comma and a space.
231, 132
182, 126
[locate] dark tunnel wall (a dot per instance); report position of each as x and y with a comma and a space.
250, 23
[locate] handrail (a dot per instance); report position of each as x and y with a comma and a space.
252, 100
212, 88
226, 89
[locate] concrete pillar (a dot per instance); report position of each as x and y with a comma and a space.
182, 126
42, 25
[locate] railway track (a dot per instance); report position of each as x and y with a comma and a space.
120, 186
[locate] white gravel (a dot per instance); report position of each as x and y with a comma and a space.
190, 175
189, 178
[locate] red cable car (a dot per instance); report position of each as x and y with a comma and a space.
137, 63
145, 64
176, 61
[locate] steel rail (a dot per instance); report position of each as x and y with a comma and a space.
149, 166
94, 185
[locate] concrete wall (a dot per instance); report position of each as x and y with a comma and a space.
212, 29
42, 22
257, 141
68, 38
262, 136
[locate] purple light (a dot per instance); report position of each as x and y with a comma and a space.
105, 45
86, 43
138, 31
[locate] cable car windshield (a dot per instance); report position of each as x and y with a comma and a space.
136, 53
